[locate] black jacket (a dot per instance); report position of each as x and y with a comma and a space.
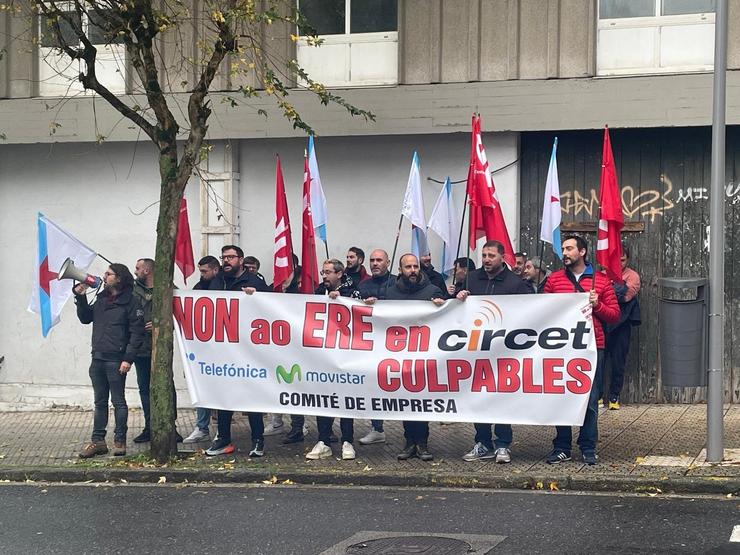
436, 278
376, 286
118, 325
203, 285
143, 295
346, 289
423, 290
223, 282
506, 282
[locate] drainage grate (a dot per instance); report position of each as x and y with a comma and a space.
410, 545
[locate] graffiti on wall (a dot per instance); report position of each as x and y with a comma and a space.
646, 204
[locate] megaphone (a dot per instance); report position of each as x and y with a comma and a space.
70, 271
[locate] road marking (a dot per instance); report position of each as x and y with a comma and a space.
735, 536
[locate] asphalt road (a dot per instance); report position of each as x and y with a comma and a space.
278, 519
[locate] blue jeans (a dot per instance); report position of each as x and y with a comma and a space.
589, 434
203, 417
143, 380
415, 432
107, 380
377, 425
256, 425
617, 347
504, 435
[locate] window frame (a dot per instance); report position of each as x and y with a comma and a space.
349, 39
656, 22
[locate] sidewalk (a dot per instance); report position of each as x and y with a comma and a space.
644, 448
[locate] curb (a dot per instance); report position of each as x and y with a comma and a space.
598, 483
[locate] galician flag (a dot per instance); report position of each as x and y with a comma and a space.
550, 230
318, 200
444, 222
49, 294
413, 209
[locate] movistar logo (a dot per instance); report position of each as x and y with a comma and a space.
288, 376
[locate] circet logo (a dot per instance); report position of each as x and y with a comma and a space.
288, 376
489, 307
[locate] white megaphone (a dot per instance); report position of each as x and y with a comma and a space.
70, 271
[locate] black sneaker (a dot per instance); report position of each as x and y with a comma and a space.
590, 458
295, 435
143, 437
408, 451
258, 448
423, 451
557, 456
220, 447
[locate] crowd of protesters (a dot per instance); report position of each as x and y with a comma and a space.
121, 337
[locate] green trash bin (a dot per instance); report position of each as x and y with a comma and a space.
683, 330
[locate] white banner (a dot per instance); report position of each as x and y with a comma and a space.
517, 359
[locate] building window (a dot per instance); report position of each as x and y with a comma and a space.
58, 74
360, 45
655, 36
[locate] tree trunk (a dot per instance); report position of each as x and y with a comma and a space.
162, 389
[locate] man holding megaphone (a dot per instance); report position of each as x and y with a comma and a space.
118, 331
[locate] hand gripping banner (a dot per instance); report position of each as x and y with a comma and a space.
517, 359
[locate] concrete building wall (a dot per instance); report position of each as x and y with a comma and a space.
106, 196
95, 193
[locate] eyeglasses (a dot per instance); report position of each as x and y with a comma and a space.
229, 256
328, 272
106, 274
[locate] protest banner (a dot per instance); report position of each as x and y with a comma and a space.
518, 359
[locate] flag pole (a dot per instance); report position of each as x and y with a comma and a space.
467, 273
462, 225
104, 258
395, 245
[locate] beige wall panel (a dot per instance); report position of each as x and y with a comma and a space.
4, 43
280, 48
456, 40
419, 41
21, 58
495, 58
514, 105
577, 20
733, 34
553, 37
533, 39
176, 53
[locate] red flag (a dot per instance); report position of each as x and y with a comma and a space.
611, 219
486, 217
310, 268
283, 260
183, 244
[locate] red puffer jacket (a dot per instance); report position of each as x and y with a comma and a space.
607, 309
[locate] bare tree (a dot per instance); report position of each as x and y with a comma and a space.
231, 32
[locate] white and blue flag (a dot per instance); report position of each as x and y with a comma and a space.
318, 200
444, 222
550, 231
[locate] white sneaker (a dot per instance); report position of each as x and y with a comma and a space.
273, 430
373, 436
348, 452
196, 435
319, 451
503, 455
